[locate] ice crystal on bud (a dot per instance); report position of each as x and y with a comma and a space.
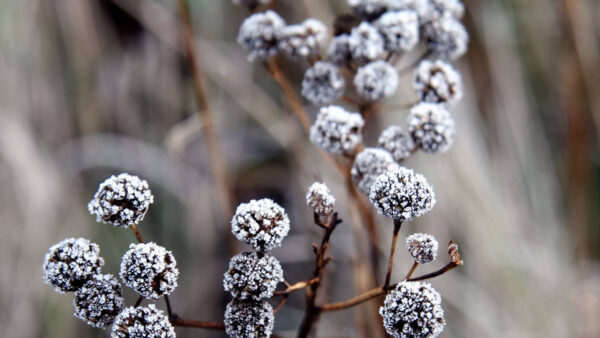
337, 130
446, 37
366, 44
322, 83
253, 275
430, 10
368, 165
261, 223
422, 247
320, 199
397, 142
249, 319
400, 30
368, 9
303, 40
99, 301
437, 82
339, 50
431, 127
142, 322
376, 80
259, 34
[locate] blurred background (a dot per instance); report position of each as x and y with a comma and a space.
94, 88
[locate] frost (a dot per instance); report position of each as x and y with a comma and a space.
368, 9
339, 50
376, 80
437, 82
320, 199
248, 319
253, 275
303, 40
422, 247
397, 142
261, 223
142, 322
337, 130
365, 43
259, 35
431, 127
368, 165
400, 30
446, 37
99, 301
322, 83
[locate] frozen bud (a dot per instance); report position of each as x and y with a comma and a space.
322, 83
397, 142
446, 37
121, 200
337, 130
251, 3
339, 50
413, 309
366, 44
368, 165
142, 322
430, 10
437, 82
422, 247
400, 30
431, 127
261, 223
149, 269
99, 301
259, 34
71, 263
320, 199
253, 275
249, 319
303, 40
454, 253
376, 80
368, 9
402, 194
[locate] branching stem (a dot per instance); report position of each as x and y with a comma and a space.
388, 275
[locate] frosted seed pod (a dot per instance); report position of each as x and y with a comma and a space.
437, 82
368, 164
446, 37
259, 35
322, 83
337, 130
142, 322
338, 51
422, 247
261, 223
249, 319
397, 142
376, 80
253, 275
303, 40
320, 199
366, 44
430, 10
400, 30
99, 301
431, 127
368, 9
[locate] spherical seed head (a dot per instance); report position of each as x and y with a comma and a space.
431, 127
337, 130
423, 247
71, 263
437, 82
413, 309
249, 319
368, 9
320, 199
149, 269
259, 34
400, 30
368, 165
323, 83
430, 10
303, 40
338, 51
376, 80
397, 142
99, 301
261, 223
142, 322
253, 275
366, 44
446, 37
402, 194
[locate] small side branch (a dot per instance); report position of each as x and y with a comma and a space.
388, 275
196, 324
137, 233
373, 293
441, 271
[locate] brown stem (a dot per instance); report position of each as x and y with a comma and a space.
412, 269
441, 271
169, 308
280, 304
388, 275
373, 293
138, 235
139, 301
296, 286
197, 324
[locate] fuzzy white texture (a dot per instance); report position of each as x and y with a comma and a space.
376, 80
99, 301
368, 165
413, 309
244, 319
303, 40
70, 263
402, 194
320, 199
368, 9
260, 34
149, 269
400, 30
337, 130
252, 275
446, 37
365, 43
437, 82
323, 83
339, 52
430, 10
121, 200
422, 247
431, 127
142, 322
397, 142
261, 223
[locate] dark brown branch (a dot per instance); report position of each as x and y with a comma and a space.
138, 235
373, 293
281, 302
388, 275
169, 308
441, 271
296, 286
139, 301
197, 324
412, 269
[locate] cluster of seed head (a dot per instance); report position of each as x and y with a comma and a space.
261, 223
368, 165
365, 43
322, 83
446, 37
396, 142
437, 82
99, 301
337, 130
248, 319
260, 34
431, 127
422, 247
253, 275
303, 40
376, 80
142, 322
320, 199
368, 9
400, 30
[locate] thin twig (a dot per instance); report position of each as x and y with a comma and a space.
281, 302
169, 308
296, 286
388, 275
441, 271
139, 301
354, 301
412, 269
138, 235
197, 324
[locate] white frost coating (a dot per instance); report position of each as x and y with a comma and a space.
149, 269
323, 83
430, 10
400, 30
261, 223
244, 319
368, 9
368, 165
142, 322
431, 127
437, 82
121, 200
402, 194
70, 263
303, 40
366, 44
413, 309
422, 247
320, 199
446, 37
99, 301
259, 35
397, 142
376, 80
338, 51
253, 275
337, 130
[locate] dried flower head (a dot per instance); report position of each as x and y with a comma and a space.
368, 164
431, 127
142, 322
400, 30
303, 40
422, 247
149, 269
368, 9
413, 309
337, 130
437, 82
402, 194
260, 223
249, 319
320, 199
397, 142
71, 263
430, 10
366, 44
446, 37
99, 301
376, 80
121, 200
338, 51
323, 83
259, 34
253, 275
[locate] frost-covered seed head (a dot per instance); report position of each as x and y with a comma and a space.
376, 80
320, 199
368, 9
400, 30
366, 44
251, 3
71, 263
437, 82
259, 35
245, 319
338, 51
253, 275
430, 10
402, 194
368, 165
121, 200
99, 301
397, 142
303, 40
149, 269
446, 37
337, 130
422, 247
323, 83
431, 127
142, 322
413, 309
261, 223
